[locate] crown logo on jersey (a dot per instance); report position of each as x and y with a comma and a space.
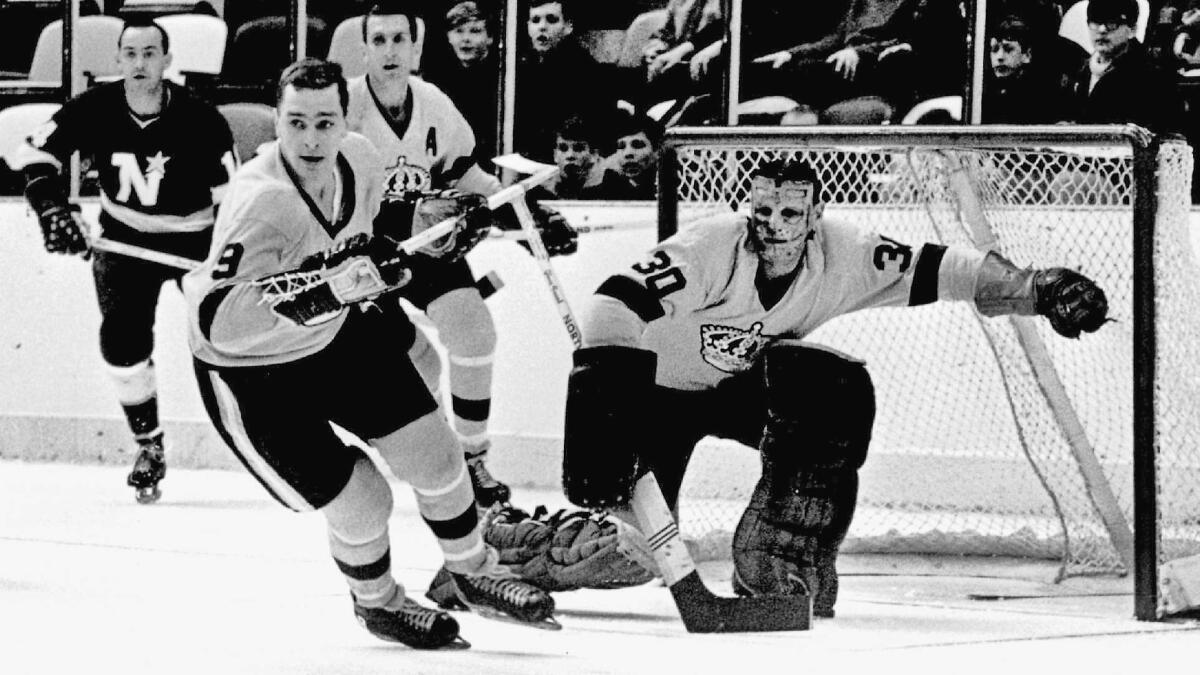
730, 349
403, 177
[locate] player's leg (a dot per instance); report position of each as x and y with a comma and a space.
127, 291
420, 448
820, 409
449, 298
286, 443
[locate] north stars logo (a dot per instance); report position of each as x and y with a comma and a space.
133, 180
403, 177
730, 349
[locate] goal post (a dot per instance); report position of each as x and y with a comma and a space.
996, 436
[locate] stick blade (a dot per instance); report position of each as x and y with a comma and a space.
704, 612
516, 162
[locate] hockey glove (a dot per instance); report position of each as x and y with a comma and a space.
1072, 302
558, 236
358, 269
62, 227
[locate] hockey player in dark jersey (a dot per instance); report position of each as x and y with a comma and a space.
706, 337
284, 348
163, 157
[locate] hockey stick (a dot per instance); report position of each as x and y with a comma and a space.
701, 610
99, 243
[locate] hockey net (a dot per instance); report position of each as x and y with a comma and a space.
992, 436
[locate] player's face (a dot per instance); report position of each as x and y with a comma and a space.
1110, 38
781, 218
389, 47
1008, 57
635, 154
574, 158
547, 26
310, 124
140, 57
470, 41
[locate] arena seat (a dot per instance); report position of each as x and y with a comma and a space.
96, 52
252, 124
949, 105
197, 43
258, 51
18, 121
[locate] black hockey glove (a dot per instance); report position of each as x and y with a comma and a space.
411, 213
1072, 302
558, 236
62, 227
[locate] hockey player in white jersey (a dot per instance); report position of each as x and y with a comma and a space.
706, 337
284, 346
427, 144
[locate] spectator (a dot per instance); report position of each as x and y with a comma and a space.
679, 58
1058, 56
577, 151
770, 27
556, 78
633, 167
470, 73
1120, 83
1015, 90
1185, 44
845, 63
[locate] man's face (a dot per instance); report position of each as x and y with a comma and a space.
389, 47
547, 26
470, 41
635, 154
1110, 38
310, 124
1008, 57
574, 158
140, 57
781, 218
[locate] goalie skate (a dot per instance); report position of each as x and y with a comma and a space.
148, 470
411, 624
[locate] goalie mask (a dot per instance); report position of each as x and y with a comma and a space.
785, 204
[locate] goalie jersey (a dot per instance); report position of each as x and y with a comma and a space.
695, 302
435, 150
269, 225
157, 176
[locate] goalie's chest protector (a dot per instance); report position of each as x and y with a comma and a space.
715, 326
432, 151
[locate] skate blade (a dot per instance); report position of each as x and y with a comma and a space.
549, 623
147, 495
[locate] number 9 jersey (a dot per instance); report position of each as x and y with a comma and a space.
699, 303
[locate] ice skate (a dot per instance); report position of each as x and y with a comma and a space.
148, 470
488, 491
411, 624
495, 592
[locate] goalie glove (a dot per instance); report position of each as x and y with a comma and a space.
569, 550
415, 212
1072, 302
358, 269
62, 227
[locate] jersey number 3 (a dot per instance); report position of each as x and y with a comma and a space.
892, 251
661, 278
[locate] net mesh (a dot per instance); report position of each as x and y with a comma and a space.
969, 456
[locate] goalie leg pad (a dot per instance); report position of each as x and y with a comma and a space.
608, 392
815, 440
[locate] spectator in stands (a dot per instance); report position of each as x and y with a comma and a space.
556, 78
1120, 83
1057, 55
633, 170
680, 57
470, 73
1185, 42
1015, 89
846, 62
770, 27
577, 152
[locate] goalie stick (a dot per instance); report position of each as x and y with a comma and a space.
701, 610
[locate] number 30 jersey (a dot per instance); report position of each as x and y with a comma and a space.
695, 301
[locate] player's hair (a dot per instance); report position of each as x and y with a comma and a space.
791, 170
392, 7
564, 4
1123, 12
145, 22
626, 123
580, 128
465, 12
1015, 29
310, 73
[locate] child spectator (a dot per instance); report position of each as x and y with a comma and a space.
1015, 90
577, 152
632, 172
